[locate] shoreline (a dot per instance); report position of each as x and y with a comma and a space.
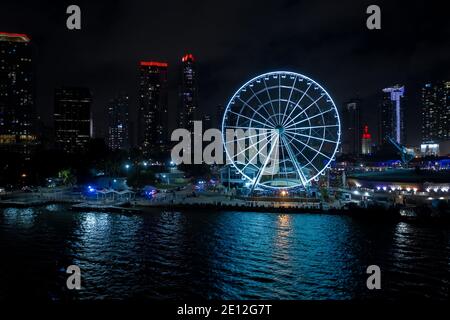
371, 213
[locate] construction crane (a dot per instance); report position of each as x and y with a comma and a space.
405, 154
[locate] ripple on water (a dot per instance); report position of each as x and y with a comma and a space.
221, 255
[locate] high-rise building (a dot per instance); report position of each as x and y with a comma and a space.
73, 121
153, 107
366, 141
351, 127
392, 123
188, 107
436, 112
118, 123
17, 109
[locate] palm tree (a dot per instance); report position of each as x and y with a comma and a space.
67, 176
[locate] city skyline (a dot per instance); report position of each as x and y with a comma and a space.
154, 123
94, 56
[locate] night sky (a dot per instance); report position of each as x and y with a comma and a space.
234, 41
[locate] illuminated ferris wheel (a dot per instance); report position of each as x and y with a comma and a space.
281, 130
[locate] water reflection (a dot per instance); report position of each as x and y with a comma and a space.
19, 217
103, 246
53, 207
94, 225
219, 255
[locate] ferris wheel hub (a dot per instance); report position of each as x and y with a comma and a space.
280, 129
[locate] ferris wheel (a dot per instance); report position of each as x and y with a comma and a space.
281, 130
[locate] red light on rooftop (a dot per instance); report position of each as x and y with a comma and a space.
188, 57
366, 134
23, 36
154, 64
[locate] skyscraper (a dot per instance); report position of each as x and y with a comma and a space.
392, 122
17, 110
366, 141
436, 112
351, 127
118, 123
73, 121
188, 107
153, 107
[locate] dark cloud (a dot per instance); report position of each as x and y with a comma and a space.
235, 40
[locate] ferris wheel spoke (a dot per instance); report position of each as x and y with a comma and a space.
268, 94
317, 151
256, 154
312, 137
261, 104
262, 117
279, 99
283, 119
307, 119
288, 123
312, 127
246, 128
247, 148
309, 162
297, 104
251, 119
264, 132
294, 162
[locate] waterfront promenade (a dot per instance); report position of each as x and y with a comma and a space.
381, 204
179, 199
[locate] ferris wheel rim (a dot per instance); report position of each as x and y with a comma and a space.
296, 75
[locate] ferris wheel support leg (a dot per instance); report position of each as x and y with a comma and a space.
296, 164
260, 172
